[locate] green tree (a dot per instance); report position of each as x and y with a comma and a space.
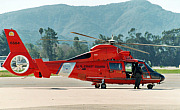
84, 48
49, 46
76, 45
4, 48
33, 50
148, 38
158, 55
132, 33
66, 51
41, 31
60, 53
105, 38
171, 55
119, 38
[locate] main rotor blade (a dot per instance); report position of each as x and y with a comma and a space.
87, 36
132, 48
152, 45
67, 40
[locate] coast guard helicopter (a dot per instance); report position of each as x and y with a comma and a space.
103, 64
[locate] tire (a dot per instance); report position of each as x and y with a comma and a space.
103, 86
97, 85
149, 86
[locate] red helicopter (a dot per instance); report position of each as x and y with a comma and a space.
103, 64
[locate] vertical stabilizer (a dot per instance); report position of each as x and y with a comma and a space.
18, 62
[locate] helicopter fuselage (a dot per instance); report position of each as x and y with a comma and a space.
114, 66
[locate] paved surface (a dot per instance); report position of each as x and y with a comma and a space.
70, 94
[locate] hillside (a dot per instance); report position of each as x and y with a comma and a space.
105, 19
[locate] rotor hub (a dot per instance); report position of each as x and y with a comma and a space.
112, 42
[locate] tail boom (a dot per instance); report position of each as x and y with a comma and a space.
19, 61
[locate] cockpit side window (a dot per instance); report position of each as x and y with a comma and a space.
143, 67
115, 66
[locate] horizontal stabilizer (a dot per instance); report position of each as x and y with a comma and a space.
43, 68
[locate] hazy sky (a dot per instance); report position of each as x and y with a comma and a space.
14, 5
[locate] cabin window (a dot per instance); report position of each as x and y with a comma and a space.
128, 67
115, 66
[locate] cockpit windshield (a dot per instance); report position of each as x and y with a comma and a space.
146, 68
149, 68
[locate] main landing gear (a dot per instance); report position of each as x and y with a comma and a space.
103, 85
97, 85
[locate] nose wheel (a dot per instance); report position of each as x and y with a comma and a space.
150, 86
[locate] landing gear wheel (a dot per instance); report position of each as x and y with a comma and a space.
149, 86
97, 85
103, 86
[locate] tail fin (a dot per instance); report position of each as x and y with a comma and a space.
18, 62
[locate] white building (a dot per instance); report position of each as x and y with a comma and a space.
2, 59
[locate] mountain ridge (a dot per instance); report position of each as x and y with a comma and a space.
115, 18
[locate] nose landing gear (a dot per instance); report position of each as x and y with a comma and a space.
150, 86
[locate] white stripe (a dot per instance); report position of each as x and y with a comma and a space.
67, 68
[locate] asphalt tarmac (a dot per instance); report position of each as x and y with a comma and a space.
61, 93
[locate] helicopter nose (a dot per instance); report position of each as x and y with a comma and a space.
162, 77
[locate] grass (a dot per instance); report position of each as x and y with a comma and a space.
5, 73
165, 71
